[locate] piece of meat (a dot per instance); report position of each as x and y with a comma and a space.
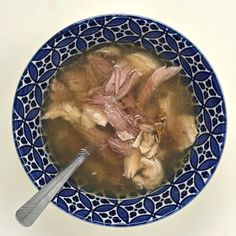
143, 62
120, 147
160, 128
138, 118
100, 65
131, 81
123, 78
147, 142
129, 103
167, 107
119, 119
111, 87
98, 139
138, 140
76, 80
67, 110
131, 164
77, 83
183, 132
59, 92
181, 129
154, 81
96, 114
91, 76
125, 135
95, 136
101, 100
126, 70
152, 174
153, 151
147, 127
95, 91
165, 124
86, 121
97, 69
111, 52
116, 116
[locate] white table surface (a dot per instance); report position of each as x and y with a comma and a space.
26, 25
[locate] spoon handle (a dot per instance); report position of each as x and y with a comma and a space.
32, 209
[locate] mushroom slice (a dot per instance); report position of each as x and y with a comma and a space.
138, 140
131, 164
147, 142
153, 151
152, 174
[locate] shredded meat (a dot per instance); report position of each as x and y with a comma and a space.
100, 102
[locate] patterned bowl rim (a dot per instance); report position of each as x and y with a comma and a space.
144, 221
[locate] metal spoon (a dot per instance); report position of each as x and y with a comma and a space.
31, 210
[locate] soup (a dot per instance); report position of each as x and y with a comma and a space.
132, 106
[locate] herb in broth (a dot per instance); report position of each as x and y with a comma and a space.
132, 106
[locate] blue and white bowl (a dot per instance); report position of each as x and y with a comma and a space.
159, 39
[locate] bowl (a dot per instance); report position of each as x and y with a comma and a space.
198, 76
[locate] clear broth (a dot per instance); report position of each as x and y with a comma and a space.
102, 174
